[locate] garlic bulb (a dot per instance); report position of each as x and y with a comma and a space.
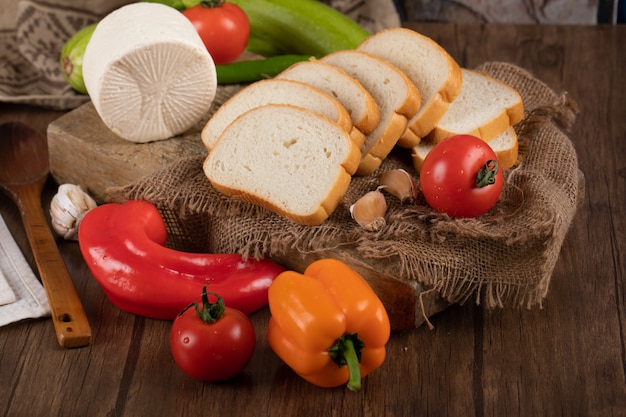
67, 208
400, 184
369, 210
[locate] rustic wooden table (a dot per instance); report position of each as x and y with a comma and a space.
567, 358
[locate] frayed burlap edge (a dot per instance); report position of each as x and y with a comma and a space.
505, 257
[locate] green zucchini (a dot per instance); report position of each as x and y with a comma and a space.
71, 58
263, 47
303, 27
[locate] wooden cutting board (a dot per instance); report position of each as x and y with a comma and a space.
85, 152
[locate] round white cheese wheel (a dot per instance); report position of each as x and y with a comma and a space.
148, 73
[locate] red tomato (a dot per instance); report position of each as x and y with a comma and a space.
212, 350
448, 177
224, 29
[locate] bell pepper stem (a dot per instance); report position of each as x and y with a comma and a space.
354, 368
347, 351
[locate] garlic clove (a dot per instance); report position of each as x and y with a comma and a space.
400, 184
369, 210
67, 208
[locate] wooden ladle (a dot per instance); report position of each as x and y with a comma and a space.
24, 170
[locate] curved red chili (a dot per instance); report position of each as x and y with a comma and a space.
124, 247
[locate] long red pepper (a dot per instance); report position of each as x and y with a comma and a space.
124, 247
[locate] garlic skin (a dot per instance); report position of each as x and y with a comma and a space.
67, 208
400, 184
369, 210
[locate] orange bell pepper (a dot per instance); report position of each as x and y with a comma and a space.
327, 324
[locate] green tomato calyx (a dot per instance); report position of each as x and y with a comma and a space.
487, 174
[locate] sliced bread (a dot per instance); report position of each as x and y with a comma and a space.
362, 107
275, 91
287, 159
397, 98
431, 68
505, 145
485, 108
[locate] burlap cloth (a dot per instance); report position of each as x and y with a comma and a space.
33, 32
505, 257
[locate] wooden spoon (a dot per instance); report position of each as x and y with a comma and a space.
24, 171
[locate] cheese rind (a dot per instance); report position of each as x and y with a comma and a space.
148, 73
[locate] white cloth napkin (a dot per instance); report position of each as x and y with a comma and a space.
21, 294
7, 296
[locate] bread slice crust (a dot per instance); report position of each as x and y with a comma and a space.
429, 66
505, 145
277, 91
397, 104
287, 159
486, 107
362, 107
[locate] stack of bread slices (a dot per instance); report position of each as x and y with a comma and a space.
292, 143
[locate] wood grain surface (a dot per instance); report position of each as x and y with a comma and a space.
84, 151
567, 358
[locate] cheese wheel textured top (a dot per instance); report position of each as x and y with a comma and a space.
148, 73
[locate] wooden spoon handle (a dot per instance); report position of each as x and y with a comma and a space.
69, 318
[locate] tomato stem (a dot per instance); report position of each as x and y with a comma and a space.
487, 174
210, 312
211, 3
347, 351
